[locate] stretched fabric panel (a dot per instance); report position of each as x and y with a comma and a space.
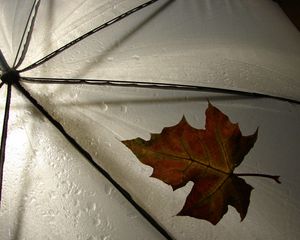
243, 45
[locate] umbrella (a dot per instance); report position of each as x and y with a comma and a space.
49, 189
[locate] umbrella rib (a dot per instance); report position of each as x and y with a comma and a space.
89, 158
151, 85
29, 26
89, 33
4, 135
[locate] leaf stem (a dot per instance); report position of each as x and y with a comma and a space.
275, 178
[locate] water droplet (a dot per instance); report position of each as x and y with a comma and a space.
76, 203
103, 107
97, 222
88, 61
94, 206
52, 195
182, 234
51, 212
78, 191
77, 214
65, 195
107, 189
92, 194
124, 108
136, 57
131, 214
74, 95
105, 237
108, 225
32, 200
58, 174
91, 238
91, 207
108, 144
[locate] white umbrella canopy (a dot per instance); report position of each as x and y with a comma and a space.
49, 189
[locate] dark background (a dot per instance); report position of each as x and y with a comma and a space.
291, 9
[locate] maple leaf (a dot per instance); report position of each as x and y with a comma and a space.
207, 157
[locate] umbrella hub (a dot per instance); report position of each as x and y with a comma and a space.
10, 77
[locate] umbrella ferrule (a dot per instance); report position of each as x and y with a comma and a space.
8, 75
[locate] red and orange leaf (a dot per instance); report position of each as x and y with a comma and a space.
207, 157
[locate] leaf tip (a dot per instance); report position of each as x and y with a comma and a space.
209, 104
183, 119
256, 132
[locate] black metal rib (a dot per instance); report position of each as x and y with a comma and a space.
4, 135
27, 33
89, 158
4, 67
105, 25
153, 85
